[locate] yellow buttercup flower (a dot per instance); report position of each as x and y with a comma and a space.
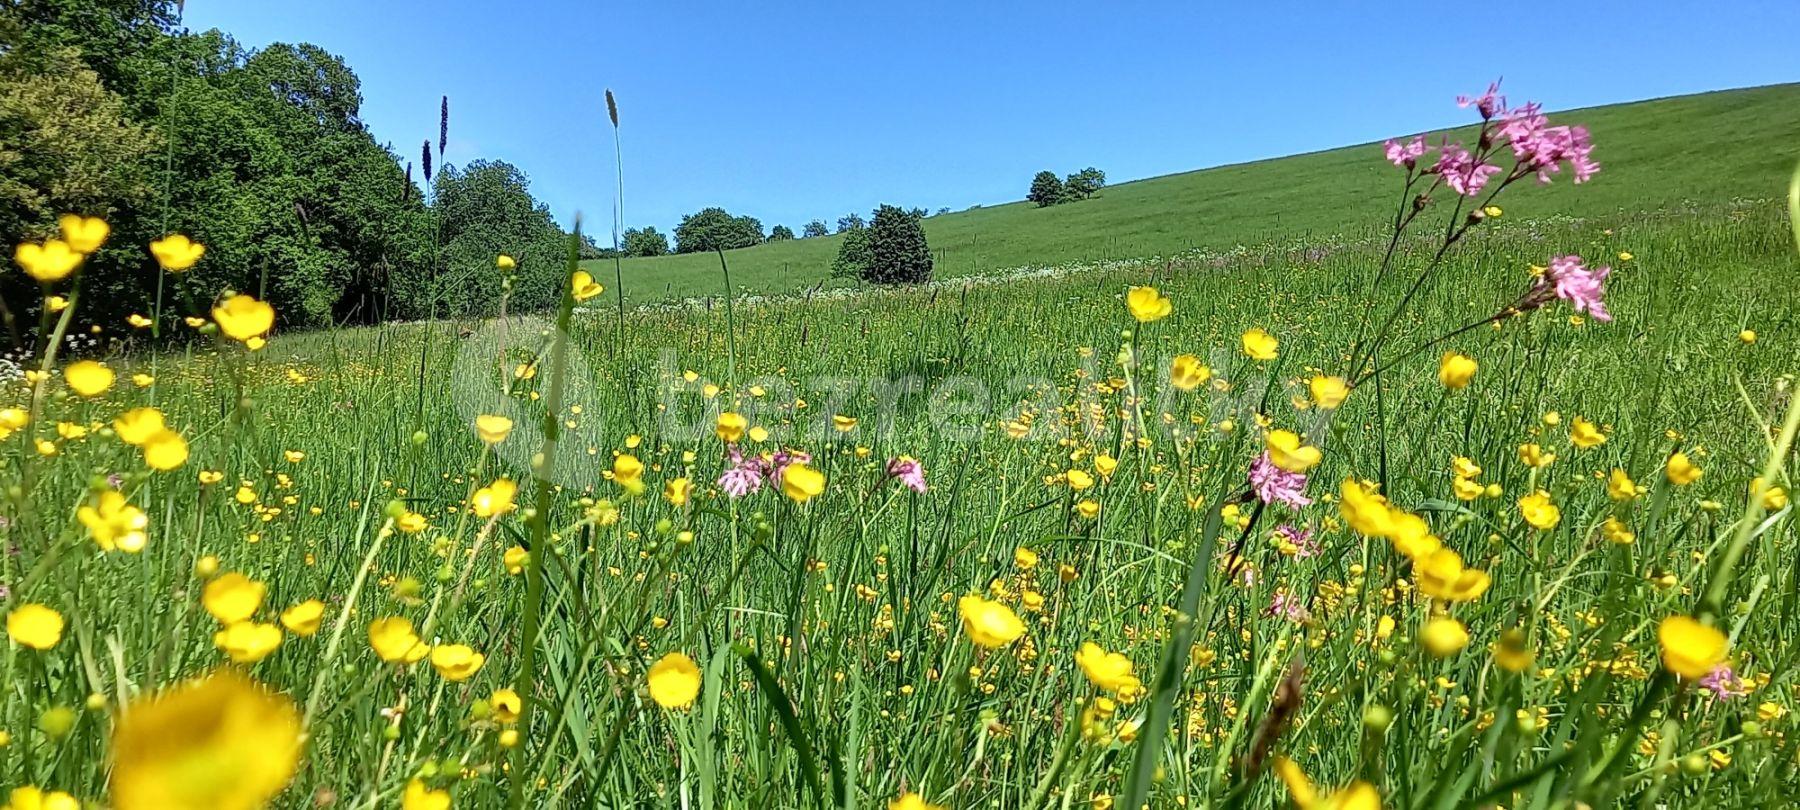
420, 796
51, 261
1328, 392
1110, 671
583, 286
1690, 649
222, 742
505, 262
36, 626
1365, 510
1747, 337
730, 426
456, 662
843, 424
1539, 511
1466, 489
506, 705
989, 624
674, 681
165, 450
801, 483
1585, 434
232, 597
33, 798
1456, 370
88, 378
176, 252
303, 619
1773, 498
1681, 470
394, 640
84, 234
1187, 373
248, 642
1146, 304
514, 560
1441, 575
1535, 456
628, 472
913, 801
1512, 652
1260, 345
492, 429
1287, 452
677, 491
136, 426
1620, 487
1616, 531
1358, 795
243, 318
494, 499
114, 523
1443, 637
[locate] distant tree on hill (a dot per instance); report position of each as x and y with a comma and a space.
1046, 190
919, 213
714, 229
814, 228
1085, 183
645, 242
944, 210
898, 253
780, 233
851, 222
853, 255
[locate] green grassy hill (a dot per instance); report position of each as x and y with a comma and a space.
1656, 154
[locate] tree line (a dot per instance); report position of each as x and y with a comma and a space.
1047, 189
109, 108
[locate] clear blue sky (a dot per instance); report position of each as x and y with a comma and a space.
795, 111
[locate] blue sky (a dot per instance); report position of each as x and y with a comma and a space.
795, 111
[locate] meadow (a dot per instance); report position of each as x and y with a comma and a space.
1330, 520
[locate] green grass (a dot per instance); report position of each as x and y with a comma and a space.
1658, 154
835, 671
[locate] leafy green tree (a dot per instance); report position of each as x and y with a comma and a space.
851, 222
898, 253
780, 233
1046, 190
485, 208
1085, 183
853, 256
814, 228
714, 229
645, 241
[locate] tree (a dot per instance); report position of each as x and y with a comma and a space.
850, 222
898, 253
853, 256
1085, 183
814, 228
1046, 190
713, 229
780, 233
645, 241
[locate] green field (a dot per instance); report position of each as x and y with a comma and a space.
1072, 484
1659, 155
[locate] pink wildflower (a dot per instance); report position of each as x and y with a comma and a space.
1541, 148
1575, 283
1274, 484
1406, 154
1287, 606
1723, 683
744, 476
1300, 537
1490, 103
908, 471
1461, 171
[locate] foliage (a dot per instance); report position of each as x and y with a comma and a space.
780, 233
851, 222
1046, 190
645, 241
853, 256
712, 229
1085, 183
814, 228
898, 253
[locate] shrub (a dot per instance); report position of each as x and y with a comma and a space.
898, 253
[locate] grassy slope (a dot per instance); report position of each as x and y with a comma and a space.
1655, 154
